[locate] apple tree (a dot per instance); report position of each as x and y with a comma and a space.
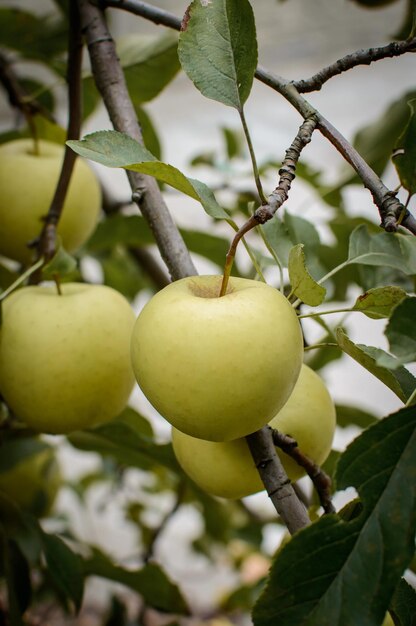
343, 560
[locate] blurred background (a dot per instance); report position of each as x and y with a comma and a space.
296, 38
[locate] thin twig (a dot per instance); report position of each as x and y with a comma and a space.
320, 479
17, 95
359, 57
265, 212
46, 244
278, 486
390, 208
111, 84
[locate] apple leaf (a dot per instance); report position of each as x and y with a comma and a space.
342, 573
303, 285
15, 450
149, 63
401, 330
17, 575
403, 604
114, 149
404, 157
133, 230
61, 264
124, 442
379, 302
383, 249
352, 415
218, 49
399, 379
64, 567
150, 582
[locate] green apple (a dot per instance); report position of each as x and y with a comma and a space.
65, 359
226, 468
27, 185
217, 368
30, 475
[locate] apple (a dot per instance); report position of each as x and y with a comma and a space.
217, 368
33, 480
226, 468
65, 359
27, 185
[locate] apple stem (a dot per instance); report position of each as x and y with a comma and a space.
251, 223
58, 284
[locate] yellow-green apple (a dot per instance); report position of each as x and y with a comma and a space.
30, 475
65, 359
27, 184
217, 368
227, 469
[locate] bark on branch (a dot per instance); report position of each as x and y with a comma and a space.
111, 84
360, 57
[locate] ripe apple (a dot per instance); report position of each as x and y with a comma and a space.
27, 185
226, 468
33, 481
217, 368
65, 359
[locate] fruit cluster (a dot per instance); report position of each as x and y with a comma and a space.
217, 368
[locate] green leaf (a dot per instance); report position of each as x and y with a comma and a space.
218, 49
352, 415
401, 331
399, 379
34, 37
404, 157
303, 285
149, 64
403, 604
343, 573
62, 264
133, 230
13, 451
125, 443
122, 272
64, 568
379, 302
150, 136
233, 142
381, 249
278, 238
115, 149
376, 142
150, 582
17, 575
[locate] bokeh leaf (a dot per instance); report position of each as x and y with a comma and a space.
401, 331
150, 582
404, 157
64, 568
343, 573
218, 49
149, 64
122, 441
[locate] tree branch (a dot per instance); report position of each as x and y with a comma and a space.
17, 94
46, 244
265, 212
390, 208
111, 83
320, 479
278, 486
360, 57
